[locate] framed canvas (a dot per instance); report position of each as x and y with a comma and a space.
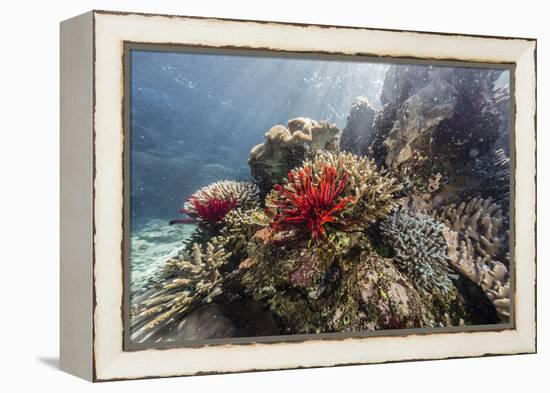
247, 195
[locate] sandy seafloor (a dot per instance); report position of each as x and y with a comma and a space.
151, 246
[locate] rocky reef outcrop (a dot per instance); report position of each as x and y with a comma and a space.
358, 126
442, 120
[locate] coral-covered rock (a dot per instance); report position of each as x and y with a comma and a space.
315, 291
374, 295
334, 192
285, 148
443, 120
418, 118
358, 129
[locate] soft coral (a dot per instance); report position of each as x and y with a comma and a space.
211, 211
304, 206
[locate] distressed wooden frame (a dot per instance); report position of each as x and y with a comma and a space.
92, 194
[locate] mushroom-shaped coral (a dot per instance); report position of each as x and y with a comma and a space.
420, 250
209, 205
284, 148
333, 192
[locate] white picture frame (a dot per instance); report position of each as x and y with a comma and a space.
92, 195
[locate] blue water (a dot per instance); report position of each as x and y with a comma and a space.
195, 116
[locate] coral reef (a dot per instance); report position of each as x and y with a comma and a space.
420, 250
285, 148
239, 226
443, 120
306, 206
314, 291
479, 248
402, 223
489, 177
334, 190
417, 118
209, 205
501, 97
184, 284
358, 126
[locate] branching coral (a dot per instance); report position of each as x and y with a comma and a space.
209, 205
334, 192
239, 226
478, 247
184, 285
420, 250
373, 189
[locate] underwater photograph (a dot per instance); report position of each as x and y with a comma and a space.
279, 194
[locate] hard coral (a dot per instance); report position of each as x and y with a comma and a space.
239, 226
477, 239
285, 148
185, 283
373, 189
420, 250
306, 205
209, 205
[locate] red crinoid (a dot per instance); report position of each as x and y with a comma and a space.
305, 207
211, 211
